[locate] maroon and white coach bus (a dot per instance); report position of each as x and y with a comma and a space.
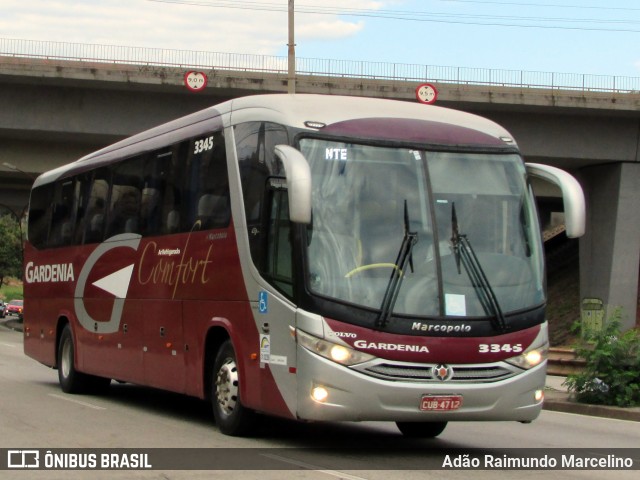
321, 258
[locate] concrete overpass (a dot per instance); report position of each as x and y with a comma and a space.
56, 110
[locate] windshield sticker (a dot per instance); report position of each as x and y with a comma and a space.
335, 154
455, 305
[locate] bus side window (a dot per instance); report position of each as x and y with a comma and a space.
279, 266
255, 142
150, 210
171, 170
39, 215
126, 196
158, 192
83, 183
207, 188
63, 214
96, 207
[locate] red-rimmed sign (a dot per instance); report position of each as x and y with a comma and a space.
426, 93
195, 81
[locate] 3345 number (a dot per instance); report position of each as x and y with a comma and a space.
500, 347
203, 145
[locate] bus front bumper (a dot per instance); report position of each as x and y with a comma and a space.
355, 396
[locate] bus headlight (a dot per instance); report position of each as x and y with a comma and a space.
530, 358
332, 351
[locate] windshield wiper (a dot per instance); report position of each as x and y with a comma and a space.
397, 275
466, 255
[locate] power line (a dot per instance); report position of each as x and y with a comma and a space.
531, 4
433, 17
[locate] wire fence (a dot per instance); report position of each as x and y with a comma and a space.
364, 70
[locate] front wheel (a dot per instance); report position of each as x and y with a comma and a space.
421, 429
231, 416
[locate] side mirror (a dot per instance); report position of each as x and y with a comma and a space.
572, 195
298, 174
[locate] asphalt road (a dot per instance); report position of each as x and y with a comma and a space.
34, 413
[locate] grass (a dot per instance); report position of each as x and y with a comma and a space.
11, 289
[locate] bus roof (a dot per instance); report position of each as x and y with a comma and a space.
305, 111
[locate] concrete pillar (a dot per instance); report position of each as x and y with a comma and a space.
610, 249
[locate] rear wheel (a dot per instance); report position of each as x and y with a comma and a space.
421, 429
71, 380
231, 416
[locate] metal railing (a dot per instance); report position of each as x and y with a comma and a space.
161, 57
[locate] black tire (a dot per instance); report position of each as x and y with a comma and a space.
231, 416
421, 429
71, 380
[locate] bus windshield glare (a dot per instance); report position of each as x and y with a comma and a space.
459, 217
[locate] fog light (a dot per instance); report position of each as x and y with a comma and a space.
319, 394
539, 395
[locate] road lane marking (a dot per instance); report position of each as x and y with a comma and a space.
315, 468
8, 345
79, 402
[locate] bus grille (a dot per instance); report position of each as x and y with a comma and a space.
424, 373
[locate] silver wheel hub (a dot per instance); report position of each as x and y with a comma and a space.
227, 386
65, 359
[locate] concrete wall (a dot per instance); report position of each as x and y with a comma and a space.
610, 249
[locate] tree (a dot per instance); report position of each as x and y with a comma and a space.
10, 248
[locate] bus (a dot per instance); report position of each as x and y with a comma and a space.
311, 257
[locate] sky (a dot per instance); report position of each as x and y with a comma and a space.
599, 37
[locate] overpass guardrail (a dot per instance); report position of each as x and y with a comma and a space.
205, 60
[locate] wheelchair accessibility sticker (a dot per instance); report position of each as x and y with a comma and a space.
263, 302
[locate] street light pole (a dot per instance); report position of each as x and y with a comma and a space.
291, 83
11, 166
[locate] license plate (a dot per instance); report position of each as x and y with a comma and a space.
439, 403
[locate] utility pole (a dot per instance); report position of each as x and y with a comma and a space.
291, 83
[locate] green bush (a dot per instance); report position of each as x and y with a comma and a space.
612, 372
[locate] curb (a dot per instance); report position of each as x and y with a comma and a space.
12, 324
558, 401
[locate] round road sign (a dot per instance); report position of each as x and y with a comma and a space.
195, 81
426, 93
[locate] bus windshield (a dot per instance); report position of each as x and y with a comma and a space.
388, 226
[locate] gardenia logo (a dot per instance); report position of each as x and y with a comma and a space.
57, 272
398, 347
